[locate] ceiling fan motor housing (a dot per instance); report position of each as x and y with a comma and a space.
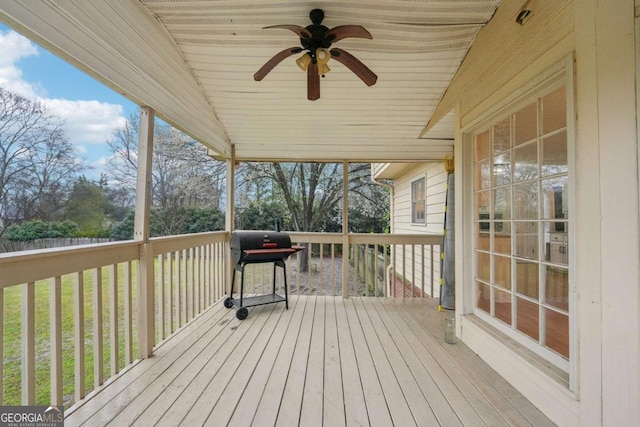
317, 31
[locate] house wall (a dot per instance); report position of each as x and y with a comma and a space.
604, 385
436, 182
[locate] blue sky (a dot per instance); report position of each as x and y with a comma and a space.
91, 110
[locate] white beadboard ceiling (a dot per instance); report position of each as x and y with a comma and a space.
193, 62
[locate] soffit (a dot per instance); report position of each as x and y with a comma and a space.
193, 62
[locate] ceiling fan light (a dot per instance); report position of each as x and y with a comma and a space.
323, 69
323, 56
303, 61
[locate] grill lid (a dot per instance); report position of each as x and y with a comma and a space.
249, 239
260, 246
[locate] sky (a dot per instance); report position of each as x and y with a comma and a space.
91, 110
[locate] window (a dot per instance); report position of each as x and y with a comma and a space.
521, 221
418, 201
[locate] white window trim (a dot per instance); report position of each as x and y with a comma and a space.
424, 186
562, 73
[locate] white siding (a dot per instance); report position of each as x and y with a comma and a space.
605, 260
436, 187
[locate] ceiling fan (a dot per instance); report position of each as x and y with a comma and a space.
316, 39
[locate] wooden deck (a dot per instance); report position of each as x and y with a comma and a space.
325, 361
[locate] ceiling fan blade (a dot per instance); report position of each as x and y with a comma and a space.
300, 31
343, 31
354, 64
277, 58
313, 82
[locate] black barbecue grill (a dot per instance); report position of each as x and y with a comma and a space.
253, 247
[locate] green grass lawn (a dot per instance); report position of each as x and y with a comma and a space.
13, 341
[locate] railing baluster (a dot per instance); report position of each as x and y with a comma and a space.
98, 355
375, 270
29, 344
196, 278
170, 328
432, 270
356, 260
78, 335
207, 281
182, 287
394, 260
55, 323
413, 270
422, 272
113, 319
128, 330
404, 270
334, 291
179, 286
309, 256
192, 311
385, 260
298, 258
321, 269
160, 284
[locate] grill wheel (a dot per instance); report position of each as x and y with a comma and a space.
242, 313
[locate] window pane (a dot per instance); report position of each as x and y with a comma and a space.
556, 201
527, 239
418, 202
502, 169
483, 266
526, 124
525, 162
557, 332
554, 154
502, 306
502, 237
483, 238
557, 287
527, 282
556, 242
502, 203
482, 178
484, 297
554, 111
525, 201
483, 200
502, 135
528, 318
502, 266
482, 145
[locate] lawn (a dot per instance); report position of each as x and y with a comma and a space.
13, 342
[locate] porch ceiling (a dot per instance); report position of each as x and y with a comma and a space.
193, 62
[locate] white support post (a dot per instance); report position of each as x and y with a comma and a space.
345, 229
230, 214
146, 303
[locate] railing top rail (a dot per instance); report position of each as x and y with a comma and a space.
166, 244
30, 266
369, 238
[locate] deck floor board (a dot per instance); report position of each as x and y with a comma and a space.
325, 361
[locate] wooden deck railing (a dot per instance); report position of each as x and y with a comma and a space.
382, 265
68, 316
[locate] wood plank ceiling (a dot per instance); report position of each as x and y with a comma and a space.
417, 47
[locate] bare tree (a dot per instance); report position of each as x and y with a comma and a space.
311, 191
37, 162
183, 175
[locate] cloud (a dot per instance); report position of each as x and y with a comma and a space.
89, 122
13, 48
86, 121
